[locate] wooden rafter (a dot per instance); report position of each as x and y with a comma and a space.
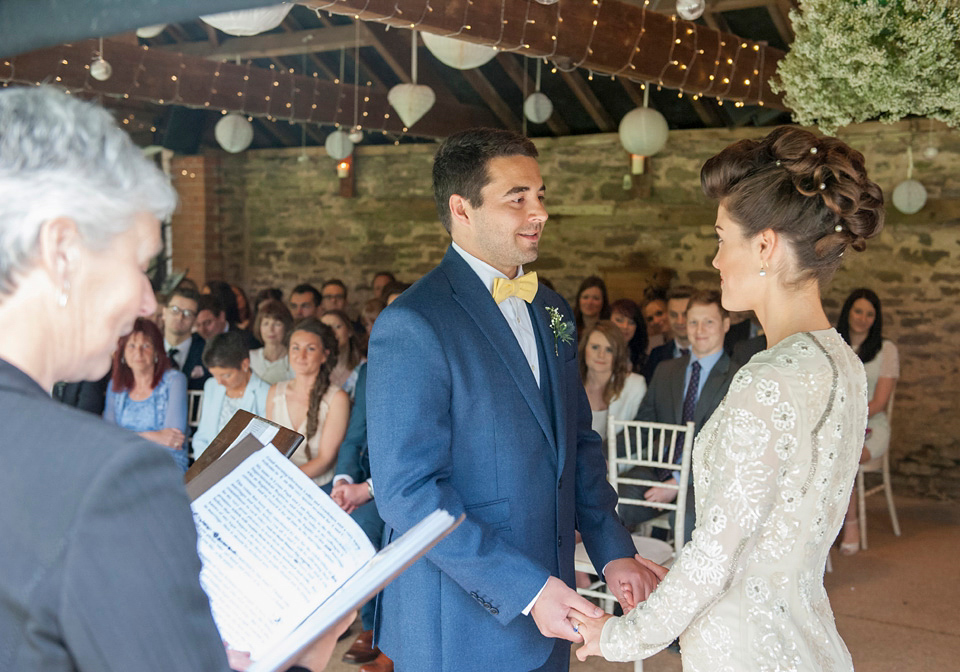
609, 37
492, 97
515, 71
144, 74
273, 45
589, 100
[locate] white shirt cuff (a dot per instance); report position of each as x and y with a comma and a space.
342, 477
526, 612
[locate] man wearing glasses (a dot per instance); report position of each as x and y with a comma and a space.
184, 347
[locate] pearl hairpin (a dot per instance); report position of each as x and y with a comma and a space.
838, 228
813, 150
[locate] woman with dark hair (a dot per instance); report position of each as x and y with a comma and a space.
310, 403
272, 327
146, 393
626, 314
592, 303
654, 309
774, 465
244, 313
861, 325
233, 387
612, 388
350, 356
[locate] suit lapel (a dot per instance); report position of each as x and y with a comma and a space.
710, 389
477, 302
550, 374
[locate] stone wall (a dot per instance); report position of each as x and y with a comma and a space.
282, 222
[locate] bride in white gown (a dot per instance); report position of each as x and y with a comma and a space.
774, 466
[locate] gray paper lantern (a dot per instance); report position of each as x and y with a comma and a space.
101, 70
537, 107
338, 145
909, 197
643, 131
233, 132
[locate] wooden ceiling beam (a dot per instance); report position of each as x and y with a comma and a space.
589, 100
478, 81
145, 74
612, 38
365, 34
780, 15
272, 45
515, 71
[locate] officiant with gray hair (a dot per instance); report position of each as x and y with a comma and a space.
98, 564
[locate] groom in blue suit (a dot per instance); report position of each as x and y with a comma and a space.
475, 405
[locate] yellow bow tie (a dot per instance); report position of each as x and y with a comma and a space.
524, 287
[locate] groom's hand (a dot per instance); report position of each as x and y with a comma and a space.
630, 581
551, 609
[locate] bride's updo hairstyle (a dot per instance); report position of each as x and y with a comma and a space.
811, 190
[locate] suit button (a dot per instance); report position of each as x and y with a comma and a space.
494, 611
474, 595
559, 542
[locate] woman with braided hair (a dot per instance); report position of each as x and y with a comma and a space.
309, 404
774, 466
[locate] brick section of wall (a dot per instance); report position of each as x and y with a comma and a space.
197, 232
281, 221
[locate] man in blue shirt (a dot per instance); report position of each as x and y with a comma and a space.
686, 388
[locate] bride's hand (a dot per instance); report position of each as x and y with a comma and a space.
589, 629
659, 570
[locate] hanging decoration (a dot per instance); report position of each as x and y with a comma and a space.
547, 2
100, 69
457, 53
691, 10
248, 22
338, 145
356, 133
411, 101
233, 132
909, 196
537, 107
146, 32
643, 132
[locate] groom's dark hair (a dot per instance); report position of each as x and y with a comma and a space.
460, 166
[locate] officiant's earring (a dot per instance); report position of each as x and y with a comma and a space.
64, 294
763, 271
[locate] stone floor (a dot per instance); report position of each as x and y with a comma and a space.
897, 604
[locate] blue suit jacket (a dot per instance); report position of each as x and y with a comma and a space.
456, 421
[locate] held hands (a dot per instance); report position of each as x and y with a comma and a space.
589, 629
350, 496
555, 604
631, 580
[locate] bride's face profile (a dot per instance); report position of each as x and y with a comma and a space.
738, 261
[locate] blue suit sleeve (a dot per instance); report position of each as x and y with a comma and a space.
409, 414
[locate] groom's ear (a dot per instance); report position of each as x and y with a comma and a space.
459, 210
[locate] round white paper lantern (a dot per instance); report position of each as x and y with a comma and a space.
233, 132
101, 70
147, 32
457, 53
537, 107
909, 197
356, 136
547, 2
691, 10
247, 22
338, 145
643, 131
930, 153
411, 101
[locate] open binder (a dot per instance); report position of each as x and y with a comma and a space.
282, 563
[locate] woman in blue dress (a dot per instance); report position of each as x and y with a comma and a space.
147, 394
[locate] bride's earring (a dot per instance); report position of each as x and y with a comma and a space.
763, 271
64, 294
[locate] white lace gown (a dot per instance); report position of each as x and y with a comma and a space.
773, 470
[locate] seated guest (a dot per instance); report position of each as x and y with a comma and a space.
368, 315
654, 309
264, 295
348, 345
626, 314
224, 293
612, 388
677, 344
304, 301
146, 394
689, 387
272, 327
381, 280
244, 315
183, 347
310, 403
212, 320
745, 327
592, 304
393, 290
861, 326
353, 491
333, 295
87, 395
233, 387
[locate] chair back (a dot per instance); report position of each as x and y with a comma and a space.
194, 402
654, 445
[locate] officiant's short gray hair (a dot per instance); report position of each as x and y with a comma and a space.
63, 157
460, 165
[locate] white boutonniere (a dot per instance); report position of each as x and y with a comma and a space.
562, 331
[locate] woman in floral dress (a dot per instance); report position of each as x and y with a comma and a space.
774, 466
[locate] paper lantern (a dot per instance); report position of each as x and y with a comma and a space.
101, 70
457, 53
537, 107
147, 32
909, 197
356, 136
338, 145
691, 10
411, 101
233, 132
249, 21
643, 131
547, 2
